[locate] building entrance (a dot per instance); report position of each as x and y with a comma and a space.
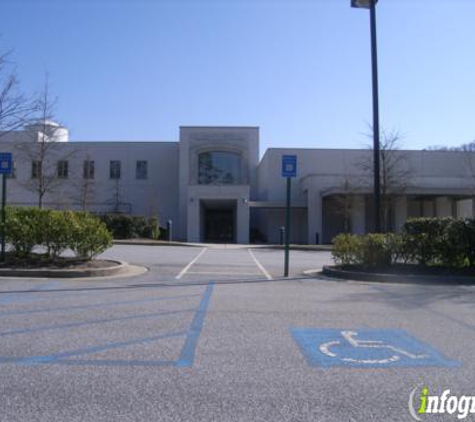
218, 222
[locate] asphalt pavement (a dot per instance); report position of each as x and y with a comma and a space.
217, 334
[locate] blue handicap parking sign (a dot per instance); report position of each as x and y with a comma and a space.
366, 348
289, 166
6, 163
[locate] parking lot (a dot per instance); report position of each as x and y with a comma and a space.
216, 334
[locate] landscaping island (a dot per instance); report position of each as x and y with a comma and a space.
433, 250
400, 275
64, 268
50, 243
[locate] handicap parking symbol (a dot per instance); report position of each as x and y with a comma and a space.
366, 348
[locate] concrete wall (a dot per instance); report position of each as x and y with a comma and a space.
195, 140
157, 195
273, 219
322, 173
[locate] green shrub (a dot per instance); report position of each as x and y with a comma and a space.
151, 229
124, 226
459, 243
470, 240
347, 249
90, 236
56, 231
424, 240
118, 224
378, 249
22, 231
371, 250
454, 247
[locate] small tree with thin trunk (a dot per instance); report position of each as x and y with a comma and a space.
115, 201
395, 173
344, 202
84, 184
42, 150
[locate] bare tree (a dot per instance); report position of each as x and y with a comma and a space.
343, 203
16, 109
395, 173
85, 184
116, 199
43, 151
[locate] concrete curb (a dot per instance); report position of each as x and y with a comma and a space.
305, 248
120, 268
337, 273
147, 242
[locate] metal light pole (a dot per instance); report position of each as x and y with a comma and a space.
371, 5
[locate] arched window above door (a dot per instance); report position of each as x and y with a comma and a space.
219, 168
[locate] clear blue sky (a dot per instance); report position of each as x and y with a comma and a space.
299, 69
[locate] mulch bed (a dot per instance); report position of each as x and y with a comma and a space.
411, 269
38, 261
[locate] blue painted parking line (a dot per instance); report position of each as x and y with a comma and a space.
116, 362
93, 322
17, 298
185, 359
187, 355
32, 360
95, 305
21, 297
366, 348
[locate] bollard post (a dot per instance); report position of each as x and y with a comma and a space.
282, 235
170, 230
287, 230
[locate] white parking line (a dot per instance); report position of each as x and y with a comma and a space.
184, 270
261, 267
220, 273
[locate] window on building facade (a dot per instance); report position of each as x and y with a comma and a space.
114, 169
219, 168
62, 169
88, 169
35, 169
141, 170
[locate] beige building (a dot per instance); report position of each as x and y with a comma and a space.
214, 188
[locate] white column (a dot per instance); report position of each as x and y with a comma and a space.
193, 220
242, 221
358, 225
314, 207
429, 208
443, 206
465, 208
401, 212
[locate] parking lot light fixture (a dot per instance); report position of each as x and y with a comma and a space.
371, 5
362, 4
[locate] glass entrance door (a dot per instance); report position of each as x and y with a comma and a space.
219, 225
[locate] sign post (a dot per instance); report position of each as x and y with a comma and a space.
6, 168
289, 170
